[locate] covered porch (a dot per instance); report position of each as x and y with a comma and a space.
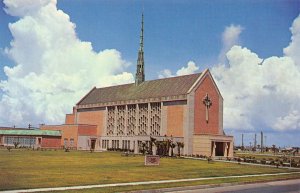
213, 145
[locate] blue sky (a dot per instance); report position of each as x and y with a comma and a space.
176, 32
179, 31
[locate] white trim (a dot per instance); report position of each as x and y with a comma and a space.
198, 80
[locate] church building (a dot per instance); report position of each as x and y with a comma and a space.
186, 109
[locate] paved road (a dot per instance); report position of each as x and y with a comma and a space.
287, 186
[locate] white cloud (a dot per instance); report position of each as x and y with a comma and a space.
261, 96
230, 37
166, 73
291, 121
293, 49
54, 69
191, 68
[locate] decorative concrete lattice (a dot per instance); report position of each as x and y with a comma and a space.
155, 117
110, 121
131, 119
121, 120
143, 119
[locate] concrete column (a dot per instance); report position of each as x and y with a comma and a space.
115, 121
149, 122
226, 149
137, 120
136, 149
109, 144
188, 130
163, 119
126, 121
213, 149
104, 132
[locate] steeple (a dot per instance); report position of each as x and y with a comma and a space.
140, 75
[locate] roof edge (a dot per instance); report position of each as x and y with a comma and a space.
206, 71
86, 95
198, 80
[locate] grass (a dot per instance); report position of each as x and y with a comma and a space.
21, 169
182, 184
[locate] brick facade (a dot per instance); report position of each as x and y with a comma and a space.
175, 120
51, 142
201, 125
92, 118
68, 132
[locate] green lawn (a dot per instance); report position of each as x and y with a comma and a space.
22, 169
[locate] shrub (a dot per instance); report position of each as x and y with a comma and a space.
9, 148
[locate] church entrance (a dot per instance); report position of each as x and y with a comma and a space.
93, 144
219, 148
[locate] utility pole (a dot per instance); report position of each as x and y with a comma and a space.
242, 141
255, 142
261, 141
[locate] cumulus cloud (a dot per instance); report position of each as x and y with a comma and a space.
53, 68
230, 37
290, 121
191, 68
293, 49
261, 96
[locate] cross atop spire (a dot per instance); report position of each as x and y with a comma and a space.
140, 75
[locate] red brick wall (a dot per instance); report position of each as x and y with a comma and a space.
70, 119
68, 132
51, 142
175, 120
92, 118
200, 124
87, 130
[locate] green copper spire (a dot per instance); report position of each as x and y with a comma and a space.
140, 75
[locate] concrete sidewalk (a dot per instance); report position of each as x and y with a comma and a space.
139, 183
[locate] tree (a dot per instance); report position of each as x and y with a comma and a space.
143, 148
172, 145
274, 149
16, 144
179, 146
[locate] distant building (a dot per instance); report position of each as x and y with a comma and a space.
186, 109
30, 138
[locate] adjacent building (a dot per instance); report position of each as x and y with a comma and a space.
30, 138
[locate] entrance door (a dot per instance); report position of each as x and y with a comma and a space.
93, 144
219, 149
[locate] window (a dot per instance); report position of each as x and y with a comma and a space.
104, 144
71, 142
65, 142
117, 143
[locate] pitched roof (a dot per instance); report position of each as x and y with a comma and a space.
149, 89
30, 132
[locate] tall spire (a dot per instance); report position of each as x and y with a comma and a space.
140, 75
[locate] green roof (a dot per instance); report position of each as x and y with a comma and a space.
30, 132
